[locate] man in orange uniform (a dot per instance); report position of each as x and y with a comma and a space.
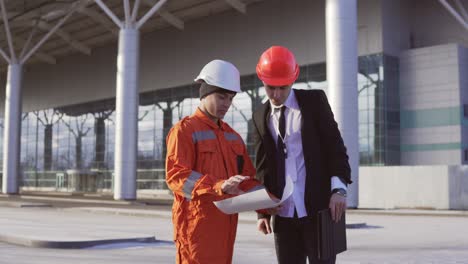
206, 161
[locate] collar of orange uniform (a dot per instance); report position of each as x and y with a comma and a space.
205, 119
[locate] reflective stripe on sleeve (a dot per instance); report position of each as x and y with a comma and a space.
203, 135
189, 184
230, 136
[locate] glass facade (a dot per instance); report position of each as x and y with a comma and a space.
71, 148
379, 110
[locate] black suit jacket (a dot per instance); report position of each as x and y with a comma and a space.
324, 151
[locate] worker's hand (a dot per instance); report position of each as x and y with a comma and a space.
337, 206
231, 185
263, 225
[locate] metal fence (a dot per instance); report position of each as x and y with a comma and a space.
89, 181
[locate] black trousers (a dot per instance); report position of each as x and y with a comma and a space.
296, 240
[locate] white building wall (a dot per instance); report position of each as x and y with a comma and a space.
428, 187
431, 108
437, 135
428, 73
171, 57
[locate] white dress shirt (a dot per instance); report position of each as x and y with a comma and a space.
294, 164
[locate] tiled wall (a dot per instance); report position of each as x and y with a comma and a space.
431, 106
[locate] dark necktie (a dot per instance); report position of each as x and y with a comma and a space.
281, 152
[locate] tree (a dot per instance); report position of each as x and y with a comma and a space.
48, 119
79, 131
167, 120
256, 101
100, 134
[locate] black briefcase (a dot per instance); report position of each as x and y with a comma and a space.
331, 235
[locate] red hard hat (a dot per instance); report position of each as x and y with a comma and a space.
277, 67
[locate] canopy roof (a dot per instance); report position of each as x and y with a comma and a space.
89, 26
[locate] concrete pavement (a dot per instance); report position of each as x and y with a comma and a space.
402, 236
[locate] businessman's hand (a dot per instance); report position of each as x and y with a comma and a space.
337, 206
231, 185
274, 210
263, 225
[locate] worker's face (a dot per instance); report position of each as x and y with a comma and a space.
277, 94
217, 104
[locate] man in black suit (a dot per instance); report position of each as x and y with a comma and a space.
296, 136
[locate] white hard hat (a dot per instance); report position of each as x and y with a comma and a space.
222, 74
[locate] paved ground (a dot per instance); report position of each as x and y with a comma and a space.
389, 236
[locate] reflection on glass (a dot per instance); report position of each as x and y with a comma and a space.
80, 138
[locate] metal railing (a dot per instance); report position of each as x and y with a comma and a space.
97, 180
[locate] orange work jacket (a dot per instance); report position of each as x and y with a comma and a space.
200, 156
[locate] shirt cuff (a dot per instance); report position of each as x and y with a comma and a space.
336, 183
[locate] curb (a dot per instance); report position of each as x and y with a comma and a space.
46, 201
402, 212
19, 204
88, 200
120, 211
70, 244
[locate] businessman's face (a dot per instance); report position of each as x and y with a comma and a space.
277, 94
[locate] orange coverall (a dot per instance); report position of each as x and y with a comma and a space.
200, 156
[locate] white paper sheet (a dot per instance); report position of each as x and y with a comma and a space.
255, 200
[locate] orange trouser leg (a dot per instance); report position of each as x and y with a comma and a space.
182, 254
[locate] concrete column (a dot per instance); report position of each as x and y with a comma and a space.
126, 134
12, 130
341, 46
